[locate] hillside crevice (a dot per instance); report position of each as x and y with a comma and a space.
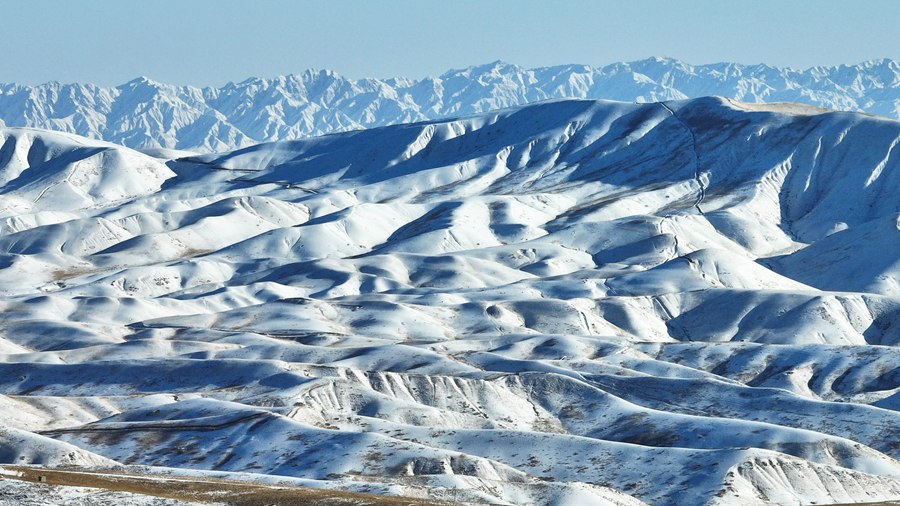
696, 158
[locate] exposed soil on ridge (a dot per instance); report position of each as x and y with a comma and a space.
204, 489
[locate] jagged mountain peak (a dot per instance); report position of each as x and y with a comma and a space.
319, 101
146, 85
494, 67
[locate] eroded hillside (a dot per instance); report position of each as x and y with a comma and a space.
690, 302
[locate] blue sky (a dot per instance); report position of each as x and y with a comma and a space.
211, 42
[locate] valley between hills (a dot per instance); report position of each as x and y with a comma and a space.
566, 302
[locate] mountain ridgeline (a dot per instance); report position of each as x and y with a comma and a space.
147, 114
569, 302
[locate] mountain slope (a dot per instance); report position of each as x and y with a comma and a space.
146, 114
576, 301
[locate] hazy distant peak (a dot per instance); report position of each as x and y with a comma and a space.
144, 113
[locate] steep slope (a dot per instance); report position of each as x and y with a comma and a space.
64, 173
146, 114
576, 301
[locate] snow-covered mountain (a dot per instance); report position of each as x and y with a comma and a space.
571, 302
146, 114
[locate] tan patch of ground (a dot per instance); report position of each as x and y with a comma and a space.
239, 493
781, 107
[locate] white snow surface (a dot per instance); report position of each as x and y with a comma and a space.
569, 302
143, 113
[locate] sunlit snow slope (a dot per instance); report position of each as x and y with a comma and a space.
572, 302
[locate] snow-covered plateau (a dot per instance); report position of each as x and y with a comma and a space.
146, 114
569, 302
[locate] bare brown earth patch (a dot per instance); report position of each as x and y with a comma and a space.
203, 489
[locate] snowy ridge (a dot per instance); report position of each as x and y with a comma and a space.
570, 302
146, 114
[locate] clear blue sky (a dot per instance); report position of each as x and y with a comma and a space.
211, 42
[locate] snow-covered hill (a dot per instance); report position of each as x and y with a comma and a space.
146, 114
570, 302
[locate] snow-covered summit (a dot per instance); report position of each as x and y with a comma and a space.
146, 114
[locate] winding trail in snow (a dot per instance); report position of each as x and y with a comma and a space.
700, 185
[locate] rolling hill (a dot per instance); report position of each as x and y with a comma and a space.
567, 302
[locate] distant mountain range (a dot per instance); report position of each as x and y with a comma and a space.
143, 113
